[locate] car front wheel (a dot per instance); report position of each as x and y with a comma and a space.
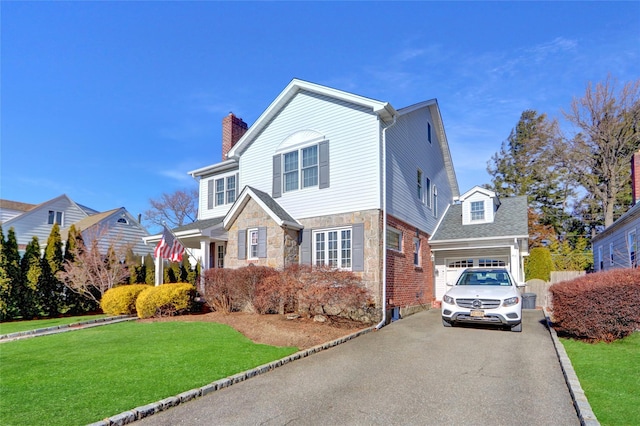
517, 328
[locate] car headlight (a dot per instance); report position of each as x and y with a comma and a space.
448, 299
510, 301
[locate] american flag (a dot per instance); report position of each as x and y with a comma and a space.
169, 247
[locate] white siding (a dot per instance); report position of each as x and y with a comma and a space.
354, 139
35, 222
217, 211
488, 209
409, 150
111, 232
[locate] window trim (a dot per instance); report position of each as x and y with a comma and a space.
300, 170
251, 245
399, 234
340, 249
477, 213
428, 190
420, 188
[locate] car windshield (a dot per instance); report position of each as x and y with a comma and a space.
488, 277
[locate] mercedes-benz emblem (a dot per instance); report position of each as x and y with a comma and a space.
477, 304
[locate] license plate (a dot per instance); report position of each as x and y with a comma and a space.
477, 313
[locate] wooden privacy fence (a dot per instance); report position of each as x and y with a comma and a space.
541, 287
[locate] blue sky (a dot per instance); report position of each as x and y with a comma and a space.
113, 103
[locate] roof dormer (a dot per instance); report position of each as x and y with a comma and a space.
478, 206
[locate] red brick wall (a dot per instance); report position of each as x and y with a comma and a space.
232, 130
407, 284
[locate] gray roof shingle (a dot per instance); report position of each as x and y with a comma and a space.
510, 220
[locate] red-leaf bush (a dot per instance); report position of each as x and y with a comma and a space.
602, 306
217, 289
300, 289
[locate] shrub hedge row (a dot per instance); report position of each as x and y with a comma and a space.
148, 301
603, 306
121, 300
296, 289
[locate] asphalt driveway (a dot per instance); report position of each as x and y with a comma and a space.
412, 372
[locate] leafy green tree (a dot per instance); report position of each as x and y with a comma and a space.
539, 264
568, 257
31, 265
10, 263
608, 123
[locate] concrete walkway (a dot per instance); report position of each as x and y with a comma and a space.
412, 372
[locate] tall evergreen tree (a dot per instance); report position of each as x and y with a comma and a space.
31, 265
10, 262
50, 288
150, 270
5, 282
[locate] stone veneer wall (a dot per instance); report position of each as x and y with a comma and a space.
372, 219
282, 245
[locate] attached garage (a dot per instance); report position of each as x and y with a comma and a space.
497, 238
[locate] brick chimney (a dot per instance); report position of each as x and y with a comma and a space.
232, 130
635, 176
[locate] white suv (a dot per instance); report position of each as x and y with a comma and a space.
487, 296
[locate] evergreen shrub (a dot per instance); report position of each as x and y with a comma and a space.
165, 300
122, 300
539, 264
603, 306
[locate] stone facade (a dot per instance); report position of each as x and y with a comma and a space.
281, 243
371, 276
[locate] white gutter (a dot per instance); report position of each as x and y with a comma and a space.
384, 223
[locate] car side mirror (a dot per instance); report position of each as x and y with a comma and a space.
450, 284
520, 285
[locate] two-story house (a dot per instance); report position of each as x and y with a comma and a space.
327, 177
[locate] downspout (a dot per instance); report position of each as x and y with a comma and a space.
384, 223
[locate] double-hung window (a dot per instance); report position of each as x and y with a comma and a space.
231, 189
427, 189
54, 217
333, 248
219, 192
419, 192
300, 168
394, 239
252, 243
416, 251
477, 210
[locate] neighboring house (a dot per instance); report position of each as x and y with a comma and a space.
10, 209
326, 177
617, 245
63, 211
481, 231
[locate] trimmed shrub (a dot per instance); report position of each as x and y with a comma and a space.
279, 293
121, 300
243, 283
165, 300
603, 306
539, 264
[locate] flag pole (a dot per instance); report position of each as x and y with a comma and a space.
189, 252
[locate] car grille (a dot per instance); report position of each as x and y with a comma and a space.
484, 303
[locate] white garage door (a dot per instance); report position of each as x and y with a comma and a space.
456, 266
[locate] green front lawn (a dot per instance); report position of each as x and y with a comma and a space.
17, 326
610, 377
86, 375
